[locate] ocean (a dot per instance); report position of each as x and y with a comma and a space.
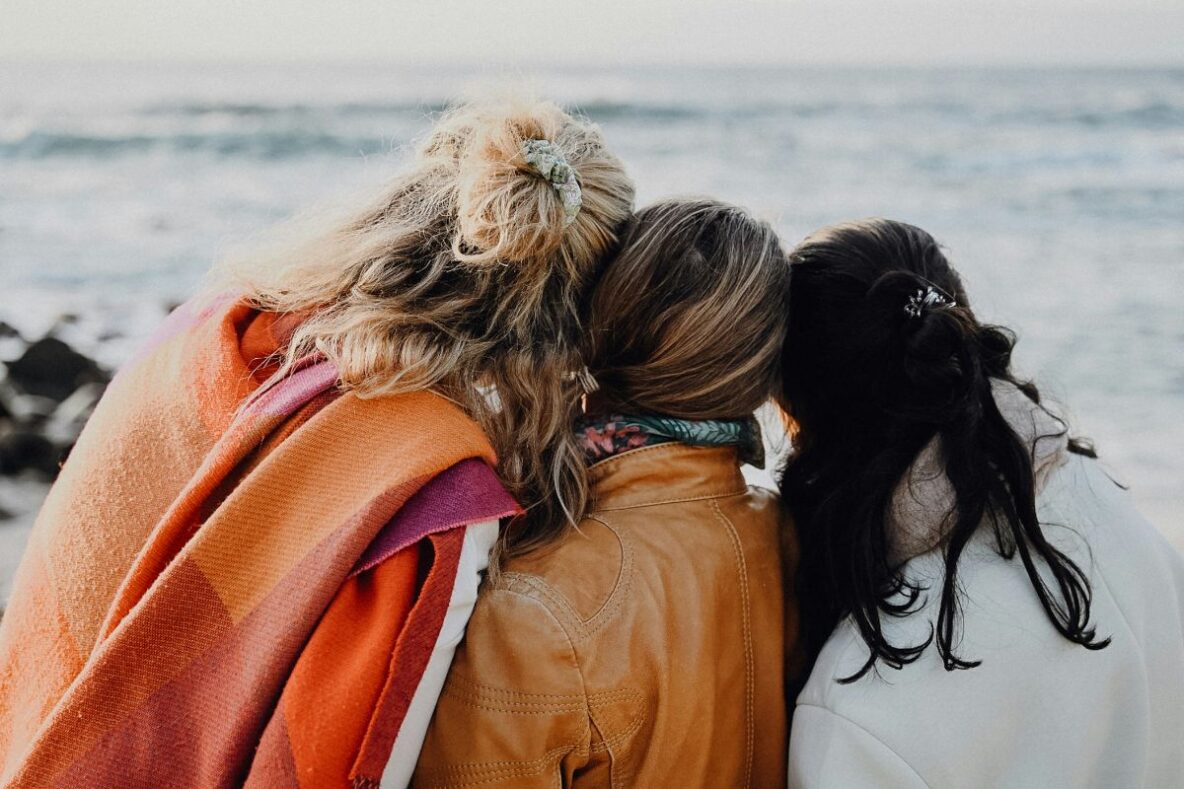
1058, 193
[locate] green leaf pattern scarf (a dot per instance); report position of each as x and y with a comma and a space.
607, 436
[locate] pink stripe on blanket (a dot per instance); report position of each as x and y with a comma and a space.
466, 493
308, 379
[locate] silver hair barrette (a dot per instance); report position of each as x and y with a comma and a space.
545, 158
923, 299
587, 381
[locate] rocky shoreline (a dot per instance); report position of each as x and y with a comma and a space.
47, 393
48, 390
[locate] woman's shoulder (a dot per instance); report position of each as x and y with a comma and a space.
574, 578
1087, 509
1137, 583
1089, 517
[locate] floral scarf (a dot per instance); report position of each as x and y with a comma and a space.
611, 435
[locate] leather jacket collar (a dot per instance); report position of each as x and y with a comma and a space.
665, 473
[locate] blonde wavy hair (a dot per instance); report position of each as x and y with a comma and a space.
462, 278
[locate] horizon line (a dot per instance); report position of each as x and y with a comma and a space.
453, 64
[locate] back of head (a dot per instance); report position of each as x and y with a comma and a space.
853, 351
688, 318
467, 276
883, 359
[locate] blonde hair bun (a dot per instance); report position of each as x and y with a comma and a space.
507, 211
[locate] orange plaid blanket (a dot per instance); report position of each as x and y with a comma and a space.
193, 608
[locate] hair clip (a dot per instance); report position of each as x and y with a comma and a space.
923, 299
587, 381
545, 159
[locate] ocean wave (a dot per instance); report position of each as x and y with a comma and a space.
1158, 115
256, 144
278, 131
1152, 115
270, 111
601, 109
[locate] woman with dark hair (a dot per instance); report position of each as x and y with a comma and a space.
982, 604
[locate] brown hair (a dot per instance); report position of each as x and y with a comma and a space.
463, 277
689, 318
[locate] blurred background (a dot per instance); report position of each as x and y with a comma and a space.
1042, 142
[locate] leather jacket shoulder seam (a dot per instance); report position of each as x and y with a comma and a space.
538, 591
615, 599
545, 605
577, 627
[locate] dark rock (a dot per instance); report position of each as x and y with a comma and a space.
6, 331
24, 451
51, 368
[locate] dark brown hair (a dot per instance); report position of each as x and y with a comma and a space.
870, 385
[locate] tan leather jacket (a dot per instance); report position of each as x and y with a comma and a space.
644, 650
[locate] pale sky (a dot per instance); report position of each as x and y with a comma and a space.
1069, 32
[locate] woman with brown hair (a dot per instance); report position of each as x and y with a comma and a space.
645, 647
258, 558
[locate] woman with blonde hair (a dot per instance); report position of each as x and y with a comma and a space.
263, 549
646, 646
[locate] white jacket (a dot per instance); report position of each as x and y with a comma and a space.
1040, 711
